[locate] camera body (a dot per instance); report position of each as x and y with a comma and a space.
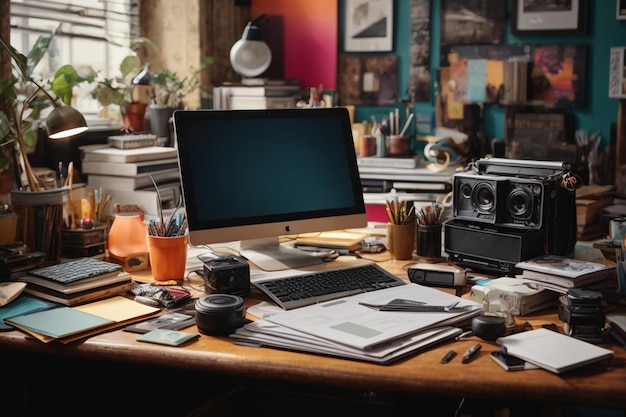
506, 211
506, 201
227, 275
583, 314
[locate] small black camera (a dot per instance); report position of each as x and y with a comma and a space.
227, 275
583, 314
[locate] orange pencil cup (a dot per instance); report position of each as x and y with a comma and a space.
168, 257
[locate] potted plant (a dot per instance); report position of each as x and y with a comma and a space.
169, 92
24, 100
118, 90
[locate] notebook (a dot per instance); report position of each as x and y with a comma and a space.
553, 351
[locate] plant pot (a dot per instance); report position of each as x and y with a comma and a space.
133, 115
160, 122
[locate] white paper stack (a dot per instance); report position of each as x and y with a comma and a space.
347, 329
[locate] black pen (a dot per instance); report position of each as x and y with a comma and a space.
448, 356
471, 352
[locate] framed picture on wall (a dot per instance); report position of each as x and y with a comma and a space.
549, 17
559, 75
368, 26
473, 22
368, 80
621, 9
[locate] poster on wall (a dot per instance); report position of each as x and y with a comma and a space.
369, 80
481, 69
559, 76
471, 22
368, 26
419, 49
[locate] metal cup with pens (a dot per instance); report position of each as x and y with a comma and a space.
429, 231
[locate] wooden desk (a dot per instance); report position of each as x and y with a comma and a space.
217, 358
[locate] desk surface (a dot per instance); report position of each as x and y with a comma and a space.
600, 385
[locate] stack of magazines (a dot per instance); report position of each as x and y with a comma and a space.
77, 281
381, 326
559, 273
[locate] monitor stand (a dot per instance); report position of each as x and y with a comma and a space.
269, 255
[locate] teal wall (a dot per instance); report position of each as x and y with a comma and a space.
605, 31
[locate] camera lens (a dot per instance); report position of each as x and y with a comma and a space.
519, 203
484, 197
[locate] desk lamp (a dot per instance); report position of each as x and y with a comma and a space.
250, 56
62, 122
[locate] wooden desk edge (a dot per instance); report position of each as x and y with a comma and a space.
599, 385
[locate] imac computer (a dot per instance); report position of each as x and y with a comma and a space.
255, 175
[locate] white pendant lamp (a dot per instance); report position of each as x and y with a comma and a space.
250, 56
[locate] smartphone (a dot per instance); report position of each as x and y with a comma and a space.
511, 363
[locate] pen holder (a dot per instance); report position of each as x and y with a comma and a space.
401, 240
168, 257
429, 240
367, 146
399, 145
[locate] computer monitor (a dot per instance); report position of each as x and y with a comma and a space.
255, 175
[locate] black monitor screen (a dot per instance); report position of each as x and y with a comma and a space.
250, 174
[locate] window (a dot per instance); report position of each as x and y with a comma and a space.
95, 33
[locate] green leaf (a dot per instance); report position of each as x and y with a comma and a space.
20, 59
65, 79
5, 126
30, 137
37, 53
129, 64
7, 89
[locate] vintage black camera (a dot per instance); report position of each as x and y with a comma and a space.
227, 275
505, 201
583, 314
505, 211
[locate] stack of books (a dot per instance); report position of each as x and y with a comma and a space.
591, 200
274, 94
559, 273
78, 281
127, 174
68, 324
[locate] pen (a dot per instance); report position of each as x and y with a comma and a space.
471, 352
448, 356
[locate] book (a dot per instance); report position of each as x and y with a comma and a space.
74, 299
564, 272
132, 141
78, 286
111, 154
129, 169
134, 182
553, 351
67, 324
58, 322
337, 239
397, 162
168, 197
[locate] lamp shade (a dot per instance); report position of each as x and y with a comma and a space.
65, 121
250, 56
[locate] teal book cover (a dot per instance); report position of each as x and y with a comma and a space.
58, 322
